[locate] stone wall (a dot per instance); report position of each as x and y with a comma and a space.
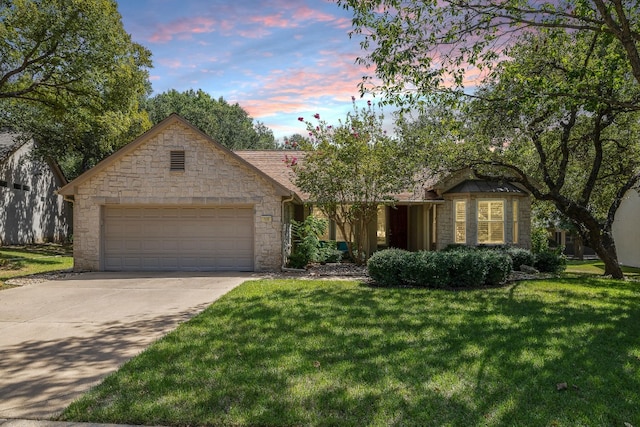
212, 177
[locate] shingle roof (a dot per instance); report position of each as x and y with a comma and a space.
477, 186
9, 142
272, 163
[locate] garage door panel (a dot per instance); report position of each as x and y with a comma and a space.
163, 238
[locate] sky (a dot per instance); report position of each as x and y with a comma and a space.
278, 59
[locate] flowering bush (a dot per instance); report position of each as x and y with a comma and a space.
350, 168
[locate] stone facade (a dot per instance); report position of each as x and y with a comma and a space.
141, 176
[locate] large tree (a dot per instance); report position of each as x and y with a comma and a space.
559, 91
228, 124
560, 118
71, 77
349, 169
420, 47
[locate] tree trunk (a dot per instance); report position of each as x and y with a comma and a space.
602, 243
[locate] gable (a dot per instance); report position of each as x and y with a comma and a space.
146, 163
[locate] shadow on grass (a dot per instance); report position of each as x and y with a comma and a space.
340, 354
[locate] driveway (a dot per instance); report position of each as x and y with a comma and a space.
58, 338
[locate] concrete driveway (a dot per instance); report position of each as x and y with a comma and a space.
58, 338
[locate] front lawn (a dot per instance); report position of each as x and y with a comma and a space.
18, 261
297, 352
596, 267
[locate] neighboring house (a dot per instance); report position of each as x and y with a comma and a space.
30, 209
174, 199
626, 232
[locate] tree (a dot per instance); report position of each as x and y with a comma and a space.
560, 118
225, 123
420, 48
349, 169
562, 123
71, 78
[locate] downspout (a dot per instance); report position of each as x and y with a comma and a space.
283, 267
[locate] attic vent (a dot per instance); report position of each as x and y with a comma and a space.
177, 161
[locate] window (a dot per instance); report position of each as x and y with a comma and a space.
17, 186
3, 183
381, 230
460, 228
491, 221
177, 161
515, 221
25, 187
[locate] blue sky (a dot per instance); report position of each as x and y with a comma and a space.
278, 59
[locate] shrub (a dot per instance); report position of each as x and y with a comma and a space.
520, 257
467, 269
329, 252
298, 260
539, 239
499, 266
550, 262
455, 247
386, 267
307, 241
425, 268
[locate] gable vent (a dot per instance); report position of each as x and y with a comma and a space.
177, 161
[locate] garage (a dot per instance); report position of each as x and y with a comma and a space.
177, 238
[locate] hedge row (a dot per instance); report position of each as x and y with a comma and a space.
457, 266
457, 269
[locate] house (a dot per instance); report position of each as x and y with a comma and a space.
486, 213
30, 209
626, 232
174, 199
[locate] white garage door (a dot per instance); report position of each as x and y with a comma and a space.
178, 238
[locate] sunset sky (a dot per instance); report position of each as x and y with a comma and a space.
278, 59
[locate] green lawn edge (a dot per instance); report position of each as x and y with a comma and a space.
301, 352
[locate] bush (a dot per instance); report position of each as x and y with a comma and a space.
550, 262
386, 267
467, 269
298, 260
499, 266
329, 252
520, 257
425, 268
455, 247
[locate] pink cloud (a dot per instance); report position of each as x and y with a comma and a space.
182, 29
273, 21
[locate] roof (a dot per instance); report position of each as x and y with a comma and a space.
69, 189
9, 142
273, 164
478, 186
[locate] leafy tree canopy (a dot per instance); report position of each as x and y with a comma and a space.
228, 124
71, 77
558, 119
420, 48
351, 168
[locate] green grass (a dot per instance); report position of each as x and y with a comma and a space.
295, 352
18, 261
596, 267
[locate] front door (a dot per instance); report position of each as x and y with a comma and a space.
398, 237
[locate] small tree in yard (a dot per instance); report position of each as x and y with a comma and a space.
351, 168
